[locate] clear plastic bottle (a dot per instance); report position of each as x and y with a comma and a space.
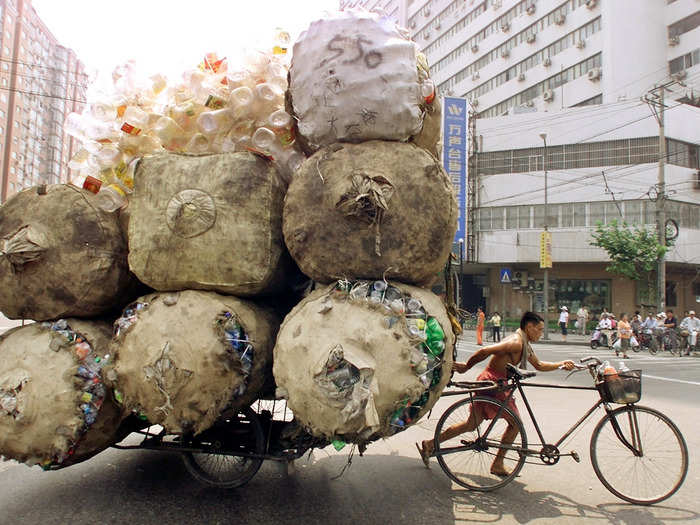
268, 98
241, 101
135, 120
264, 140
169, 132
213, 122
111, 198
428, 91
199, 143
282, 124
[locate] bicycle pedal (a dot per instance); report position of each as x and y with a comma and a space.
576, 457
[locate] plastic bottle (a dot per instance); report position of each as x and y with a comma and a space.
111, 198
213, 122
134, 120
428, 91
199, 143
241, 101
264, 140
169, 132
268, 98
282, 124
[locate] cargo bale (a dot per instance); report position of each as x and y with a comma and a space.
362, 360
55, 409
208, 222
184, 357
60, 255
371, 210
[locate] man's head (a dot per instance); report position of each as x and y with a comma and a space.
479, 309
691, 314
533, 325
669, 313
650, 315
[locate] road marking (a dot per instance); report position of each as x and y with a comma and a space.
670, 379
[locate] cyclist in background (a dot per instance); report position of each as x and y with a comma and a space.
516, 350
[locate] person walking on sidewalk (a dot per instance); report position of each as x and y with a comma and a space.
582, 319
496, 326
624, 333
516, 350
563, 321
480, 317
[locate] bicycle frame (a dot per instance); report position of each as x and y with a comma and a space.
634, 447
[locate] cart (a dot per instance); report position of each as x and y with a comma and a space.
229, 453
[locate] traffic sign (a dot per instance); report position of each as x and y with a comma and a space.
506, 276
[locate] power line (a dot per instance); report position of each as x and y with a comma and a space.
30, 65
14, 90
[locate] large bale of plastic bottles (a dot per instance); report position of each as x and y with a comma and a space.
55, 409
184, 357
208, 222
60, 255
369, 210
356, 76
365, 359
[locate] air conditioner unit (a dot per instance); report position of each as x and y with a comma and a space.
427, 35
505, 53
581, 44
520, 277
496, 4
547, 62
530, 103
412, 25
475, 77
505, 27
474, 102
521, 77
590, 4
531, 9
426, 13
548, 95
438, 26
475, 48
680, 75
594, 74
560, 19
674, 40
697, 180
531, 38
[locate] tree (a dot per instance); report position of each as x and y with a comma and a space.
633, 251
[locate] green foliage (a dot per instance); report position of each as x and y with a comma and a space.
633, 251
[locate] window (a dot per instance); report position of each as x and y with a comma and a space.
597, 213
538, 219
511, 218
683, 26
524, 217
574, 293
485, 219
567, 215
579, 215
633, 212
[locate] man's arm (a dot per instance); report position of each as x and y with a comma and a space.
504, 347
547, 366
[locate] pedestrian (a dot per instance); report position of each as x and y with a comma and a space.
514, 349
671, 325
496, 326
563, 321
582, 319
691, 326
624, 333
480, 326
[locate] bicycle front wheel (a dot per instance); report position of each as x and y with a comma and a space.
660, 465
467, 457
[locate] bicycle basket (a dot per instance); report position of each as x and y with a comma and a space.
622, 388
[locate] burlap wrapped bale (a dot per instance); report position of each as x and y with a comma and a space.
54, 407
429, 137
60, 255
354, 367
371, 210
355, 76
208, 222
181, 360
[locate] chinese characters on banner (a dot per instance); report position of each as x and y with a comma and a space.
454, 154
545, 250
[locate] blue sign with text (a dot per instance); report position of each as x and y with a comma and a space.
454, 155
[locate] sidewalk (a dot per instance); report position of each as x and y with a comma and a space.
554, 338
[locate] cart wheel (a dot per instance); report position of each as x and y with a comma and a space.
222, 468
594, 344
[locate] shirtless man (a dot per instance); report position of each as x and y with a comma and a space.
514, 349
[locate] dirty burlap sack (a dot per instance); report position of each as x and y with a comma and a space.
208, 222
55, 409
357, 363
184, 357
355, 76
370, 210
60, 255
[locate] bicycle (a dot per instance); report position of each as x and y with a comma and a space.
665, 340
631, 448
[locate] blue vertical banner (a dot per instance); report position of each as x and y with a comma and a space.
454, 156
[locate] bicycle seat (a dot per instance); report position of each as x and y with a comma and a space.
515, 372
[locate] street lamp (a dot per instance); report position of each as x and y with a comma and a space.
545, 290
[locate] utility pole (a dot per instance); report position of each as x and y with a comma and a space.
471, 188
545, 286
656, 101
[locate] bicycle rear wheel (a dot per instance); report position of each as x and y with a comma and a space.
467, 458
661, 466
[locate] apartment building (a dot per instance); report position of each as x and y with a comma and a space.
41, 82
575, 70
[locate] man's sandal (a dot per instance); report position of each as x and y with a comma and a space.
423, 455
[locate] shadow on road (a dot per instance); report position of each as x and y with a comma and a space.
144, 487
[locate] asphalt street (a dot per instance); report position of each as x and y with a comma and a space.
387, 485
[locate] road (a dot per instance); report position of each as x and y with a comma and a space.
388, 485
